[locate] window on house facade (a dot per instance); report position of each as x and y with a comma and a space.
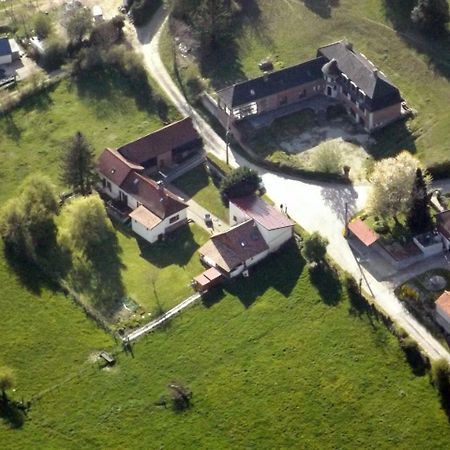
108, 185
283, 100
235, 218
174, 219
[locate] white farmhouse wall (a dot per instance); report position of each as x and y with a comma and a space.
151, 235
255, 259
275, 238
236, 213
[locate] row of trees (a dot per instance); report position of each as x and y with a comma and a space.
431, 16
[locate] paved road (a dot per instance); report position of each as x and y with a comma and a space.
317, 207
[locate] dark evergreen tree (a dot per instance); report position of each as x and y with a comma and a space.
419, 219
431, 16
77, 165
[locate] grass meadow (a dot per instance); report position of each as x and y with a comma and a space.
279, 360
288, 32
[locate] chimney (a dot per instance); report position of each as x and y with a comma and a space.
375, 72
266, 76
162, 192
349, 46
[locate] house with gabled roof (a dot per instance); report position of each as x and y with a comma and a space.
257, 229
162, 148
338, 72
153, 210
442, 312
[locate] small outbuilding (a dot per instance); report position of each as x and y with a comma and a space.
443, 311
206, 280
97, 14
9, 51
361, 231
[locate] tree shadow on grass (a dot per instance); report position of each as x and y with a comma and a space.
100, 88
279, 271
176, 249
98, 276
322, 8
11, 128
392, 139
326, 280
11, 414
436, 48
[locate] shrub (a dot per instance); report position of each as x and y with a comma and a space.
440, 377
181, 396
42, 25
239, 182
407, 292
314, 248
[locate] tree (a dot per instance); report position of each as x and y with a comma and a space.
431, 16
7, 381
27, 222
239, 182
314, 248
77, 165
54, 55
42, 25
419, 219
327, 158
440, 376
85, 227
392, 183
79, 25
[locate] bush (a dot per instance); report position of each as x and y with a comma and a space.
239, 183
408, 293
327, 158
42, 25
440, 377
314, 248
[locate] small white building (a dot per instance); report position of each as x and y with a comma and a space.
443, 311
234, 251
97, 14
9, 51
275, 227
257, 229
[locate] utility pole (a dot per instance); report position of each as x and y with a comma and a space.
227, 140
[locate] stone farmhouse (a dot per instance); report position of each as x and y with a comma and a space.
257, 230
338, 72
125, 179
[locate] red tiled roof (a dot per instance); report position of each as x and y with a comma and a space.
208, 277
365, 234
159, 142
444, 302
233, 247
115, 167
145, 217
258, 210
154, 197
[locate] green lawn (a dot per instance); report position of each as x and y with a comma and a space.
45, 337
198, 185
280, 361
103, 108
170, 264
293, 32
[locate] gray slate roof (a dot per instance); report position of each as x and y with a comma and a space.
269, 84
378, 88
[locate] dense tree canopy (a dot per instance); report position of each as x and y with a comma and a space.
419, 218
392, 184
79, 25
27, 221
432, 16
